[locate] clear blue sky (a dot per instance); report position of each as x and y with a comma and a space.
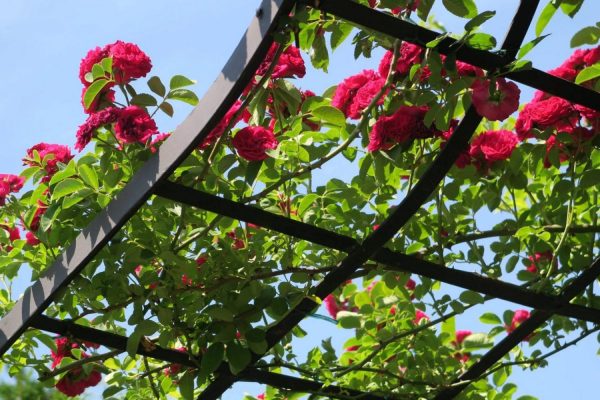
42, 42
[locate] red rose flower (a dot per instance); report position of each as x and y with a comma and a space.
134, 125
495, 103
519, 317
333, 306
290, 63
492, 146
346, 91
363, 97
409, 55
50, 156
86, 131
32, 240
222, 125
465, 69
420, 316
405, 124
536, 259
252, 142
461, 335
104, 99
37, 216
75, 381
542, 113
129, 62
157, 140
174, 369
9, 183
94, 56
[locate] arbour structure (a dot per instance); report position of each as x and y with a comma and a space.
152, 180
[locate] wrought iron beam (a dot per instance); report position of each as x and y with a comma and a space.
392, 260
410, 32
234, 77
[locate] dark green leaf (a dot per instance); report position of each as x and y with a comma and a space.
238, 356
186, 385
212, 358
66, 187
340, 31
157, 86
490, 318
144, 100
461, 8
330, 115
481, 41
88, 175
167, 108
479, 20
348, 319
590, 178
587, 35
471, 297
527, 47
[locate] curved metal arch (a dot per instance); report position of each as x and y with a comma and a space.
234, 77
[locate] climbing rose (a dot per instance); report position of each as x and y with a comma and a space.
94, 56
461, 335
134, 125
536, 259
492, 146
13, 232
420, 316
542, 113
498, 105
9, 183
519, 317
331, 305
222, 125
52, 154
105, 98
290, 63
346, 91
129, 62
363, 97
409, 55
465, 69
261, 396
158, 140
32, 240
75, 381
95, 121
252, 142
405, 124
174, 369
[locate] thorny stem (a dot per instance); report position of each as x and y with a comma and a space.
78, 363
151, 379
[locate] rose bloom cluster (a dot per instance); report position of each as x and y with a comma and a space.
76, 380
131, 124
547, 113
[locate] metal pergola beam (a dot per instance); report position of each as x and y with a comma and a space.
392, 261
152, 179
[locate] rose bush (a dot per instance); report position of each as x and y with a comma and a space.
210, 286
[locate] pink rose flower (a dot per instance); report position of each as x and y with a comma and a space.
409, 55
497, 103
94, 56
52, 154
492, 146
252, 142
519, 317
536, 259
405, 124
289, 65
420, 316
218, 130
129, 62
9, 183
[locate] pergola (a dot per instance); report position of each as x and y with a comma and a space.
153, 180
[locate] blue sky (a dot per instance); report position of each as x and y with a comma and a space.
41, 44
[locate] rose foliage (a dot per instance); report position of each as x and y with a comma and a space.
210, 286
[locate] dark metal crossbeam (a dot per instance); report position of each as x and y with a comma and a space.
393, 261
234, 77
537, 319
107, 339
410, 32
300, 385
119, 342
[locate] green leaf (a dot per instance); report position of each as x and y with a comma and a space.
570, 7
156, 85
66, 187
92, 91
186, 385
590, 178
477, 341
144, 100
88, 175
219, 313
490, 318
318, 53
212, 358
238, 356
481, 41
424, 8
348, 319
545, 17
184, 95
167, 108
69, 171
330, 115
97, 72
587, 35
339, 32
588, 73
461, 8
471, 297
479, 20
527, 47
107, 65
179, 81
252, 172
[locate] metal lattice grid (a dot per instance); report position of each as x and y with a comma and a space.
152, 180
